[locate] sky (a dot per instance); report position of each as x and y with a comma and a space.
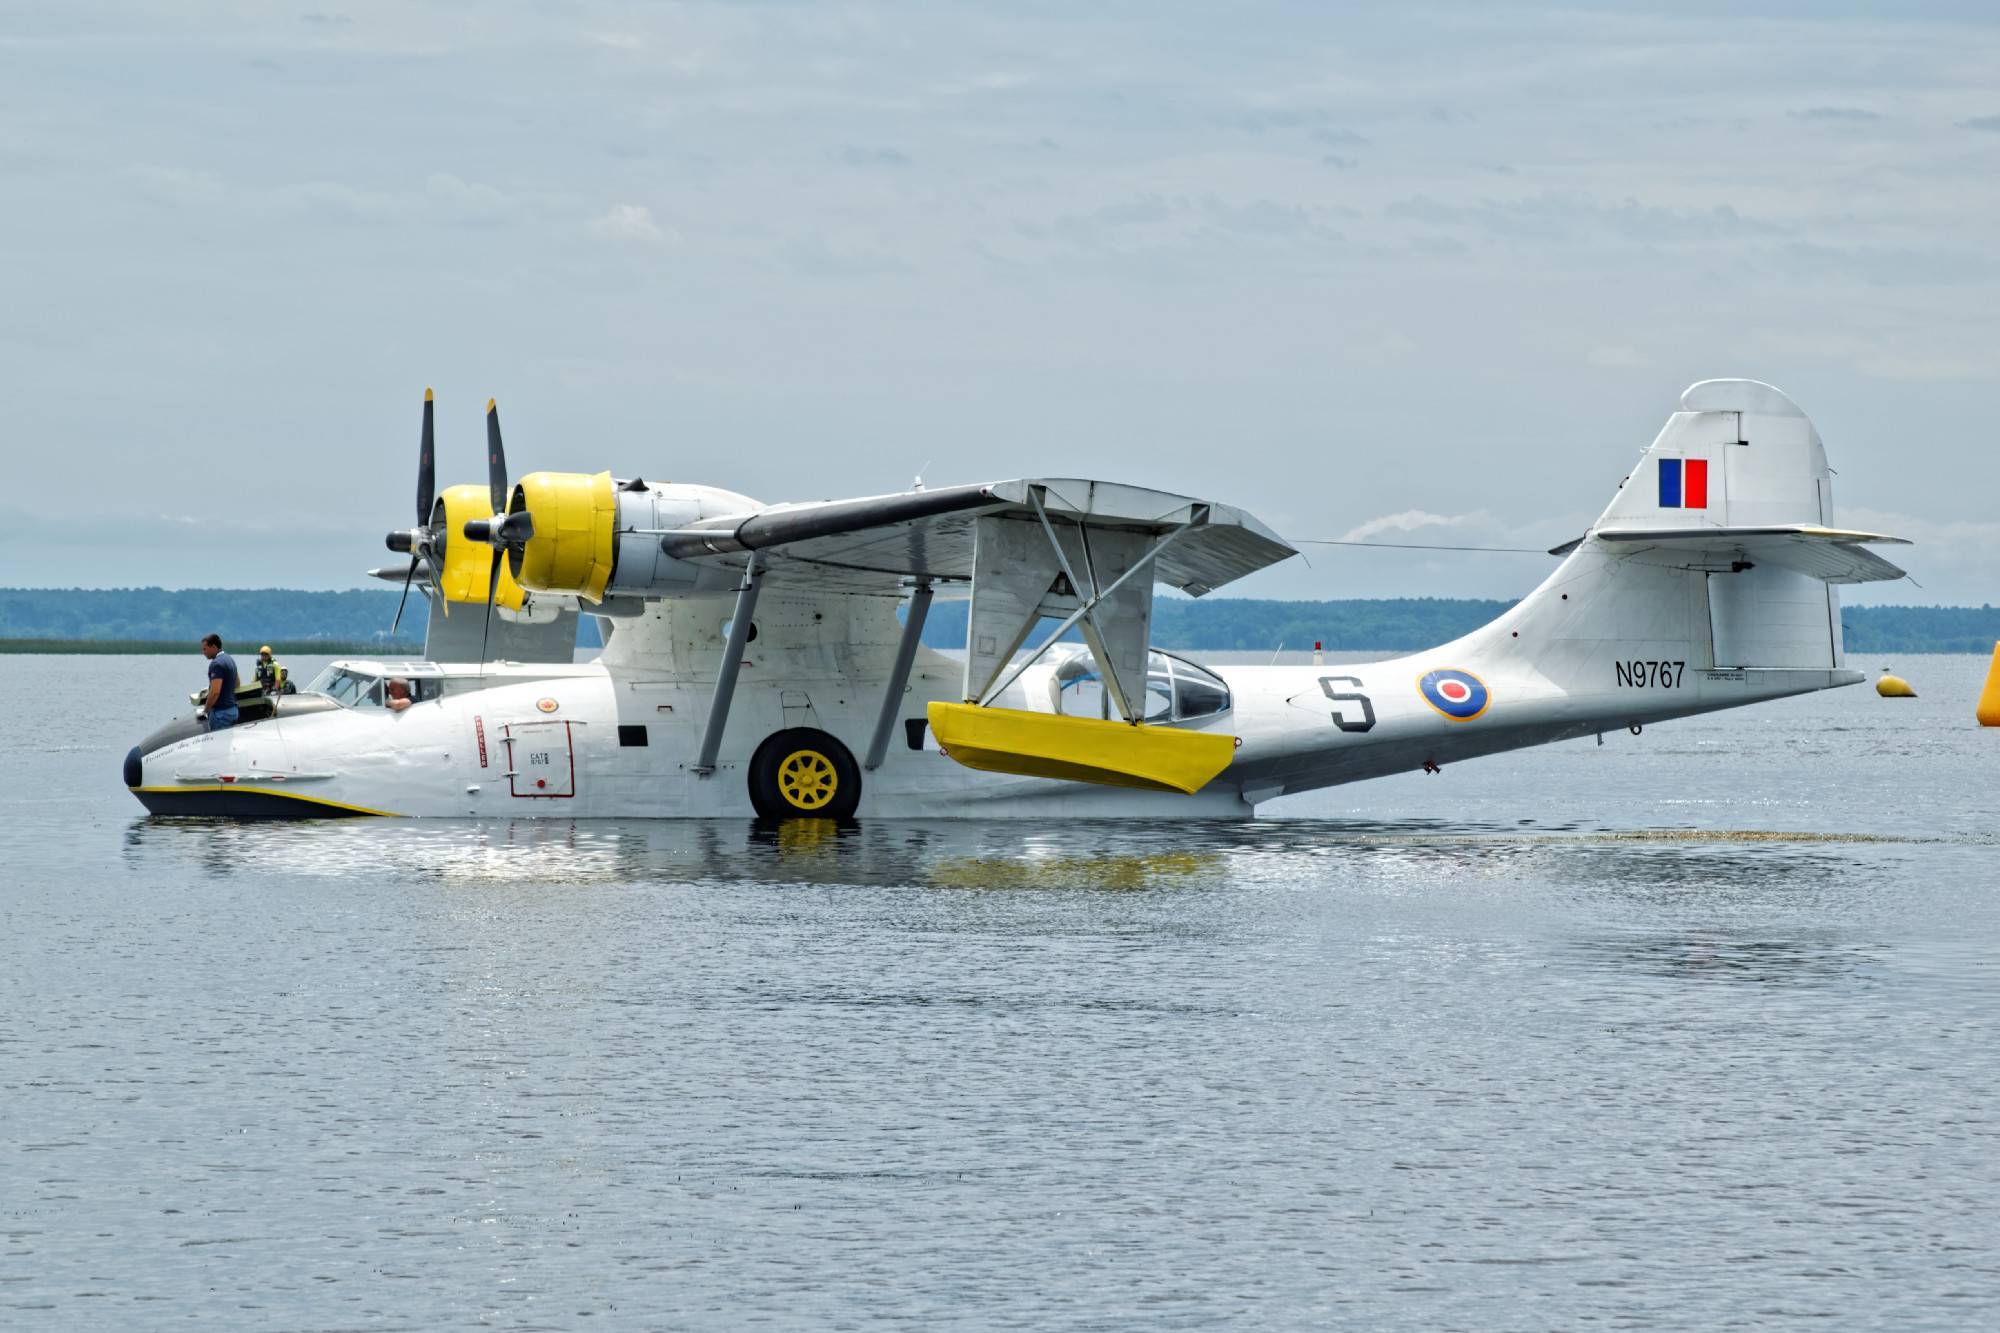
1436, 275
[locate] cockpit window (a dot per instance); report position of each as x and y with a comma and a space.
1176, 689
345, 687
360, 689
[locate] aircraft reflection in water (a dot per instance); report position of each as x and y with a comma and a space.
767, 658
945, 854
1120, 855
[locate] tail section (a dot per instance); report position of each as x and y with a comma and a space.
1716, 552
1707, 583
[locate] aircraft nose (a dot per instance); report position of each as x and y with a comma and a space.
135, 767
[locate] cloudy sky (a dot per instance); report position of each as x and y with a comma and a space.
1434, 277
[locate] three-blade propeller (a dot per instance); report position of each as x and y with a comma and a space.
422, 542
425, 544
506, 533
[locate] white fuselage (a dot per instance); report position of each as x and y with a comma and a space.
617, 738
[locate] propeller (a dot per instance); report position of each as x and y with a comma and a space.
421, 541
506, 533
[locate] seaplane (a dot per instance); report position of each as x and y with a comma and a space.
766, 660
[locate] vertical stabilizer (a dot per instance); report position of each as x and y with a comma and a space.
1701, 554
1737, 454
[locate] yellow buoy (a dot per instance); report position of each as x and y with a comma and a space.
1989, 698
1892, 686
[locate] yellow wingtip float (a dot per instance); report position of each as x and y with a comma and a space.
1080, 749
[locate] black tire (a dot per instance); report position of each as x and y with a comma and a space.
803, 773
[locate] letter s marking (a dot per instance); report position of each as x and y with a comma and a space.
1367, 721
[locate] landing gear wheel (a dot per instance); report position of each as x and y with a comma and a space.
804, 773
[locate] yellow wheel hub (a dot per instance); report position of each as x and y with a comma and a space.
807, 780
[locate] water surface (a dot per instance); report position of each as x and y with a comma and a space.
1691, 1030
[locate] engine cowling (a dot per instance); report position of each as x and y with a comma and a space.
576, 526
469, 564
596, 538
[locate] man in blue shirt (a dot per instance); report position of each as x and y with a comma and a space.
221, 683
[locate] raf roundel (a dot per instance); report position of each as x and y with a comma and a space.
1459, 695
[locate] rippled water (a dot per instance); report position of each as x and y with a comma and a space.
1692, 1030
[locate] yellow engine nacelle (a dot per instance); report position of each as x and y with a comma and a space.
576, 532
469, 564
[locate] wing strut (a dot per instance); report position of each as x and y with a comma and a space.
1086, 606
732, 659
1093, 632
899, 675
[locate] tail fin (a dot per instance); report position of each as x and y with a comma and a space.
1738, 454
1717, 550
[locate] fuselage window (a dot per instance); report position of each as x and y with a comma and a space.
1079, 693
1197, 692
1176, 689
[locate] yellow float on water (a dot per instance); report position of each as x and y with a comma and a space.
1892, 686
1080, 749
1989, 698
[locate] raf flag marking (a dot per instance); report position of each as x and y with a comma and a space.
1683, 483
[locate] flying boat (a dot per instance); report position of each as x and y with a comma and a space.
767, 659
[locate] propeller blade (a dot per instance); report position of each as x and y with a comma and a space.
493, 587
426, 466
496, 460
407, 580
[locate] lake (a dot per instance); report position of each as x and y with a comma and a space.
1695, 1029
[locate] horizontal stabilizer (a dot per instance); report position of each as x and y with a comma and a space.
1831, 555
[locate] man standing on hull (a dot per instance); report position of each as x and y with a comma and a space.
221, 683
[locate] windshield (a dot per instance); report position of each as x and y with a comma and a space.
344, 686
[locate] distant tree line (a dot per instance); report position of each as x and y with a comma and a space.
240, 615
1238, 624
249, 616
1920, 629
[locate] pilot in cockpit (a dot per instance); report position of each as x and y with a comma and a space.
399, 696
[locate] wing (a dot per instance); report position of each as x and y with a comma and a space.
880, 543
